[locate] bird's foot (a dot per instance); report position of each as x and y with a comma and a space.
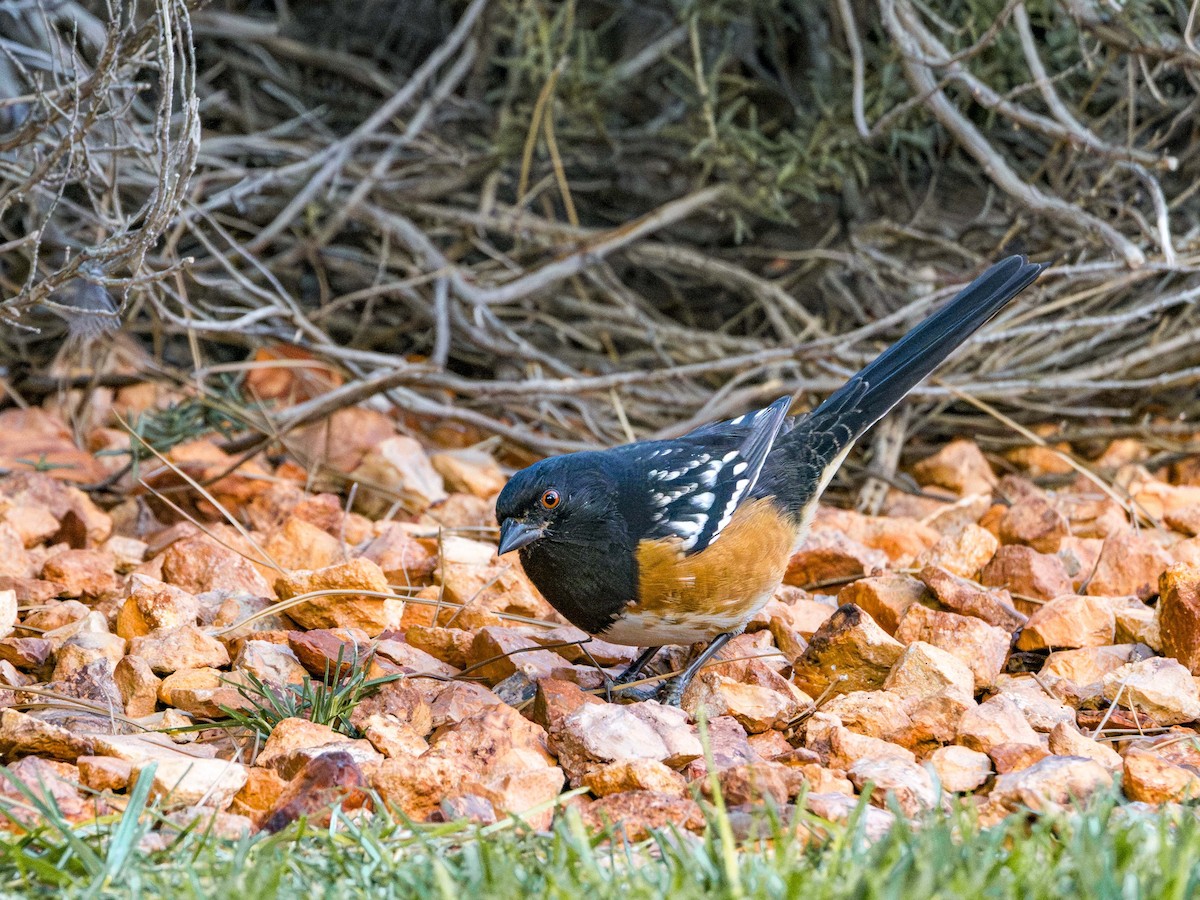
671, 693
627, 677
636, 693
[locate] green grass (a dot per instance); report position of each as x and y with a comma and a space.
1107, 851
329, 701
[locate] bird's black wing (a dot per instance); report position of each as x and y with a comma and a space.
697, 481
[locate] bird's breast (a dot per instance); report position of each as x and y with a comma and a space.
682, 599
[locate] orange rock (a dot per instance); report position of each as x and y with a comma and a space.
1067, 740
461, 512
967, 598
403, 559
755, 783
1053, 783
1016, 756
471, 574
1129, 564
180, 783
183, 647
883, 597
901, 538
457, 701
960, 466
290, 384
200, 692
1121, 452
903, 783
981, 647
960, 769
1087, 665
397, 468
294, 734
1094, 517
15, 560
25, 653
555, 700
1068, 622
494, 754
996, 721
1037, 460
1179, 615
499, 653
138, 686
450, 645
104, 773
259, 795
82, 572
326, 779
924, 669
1027, 573
209, 465
756, 707
81, 523
1042, 710
51, 782
798, 610
34, 524
393, 737
1035, 522
877, 714
1149, 778
320, 649
1157, 498
84, 648
842, 808
850, 652
829, 556
342, 440
846, 748
347, 608
274, 664
8, 612
393, 655
153, 604
470, 471
596, 734
1161, 688
298, 544
1186, 519
634, 775
963, 553
198, 564
636, 814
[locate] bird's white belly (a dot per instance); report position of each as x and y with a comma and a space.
635, 628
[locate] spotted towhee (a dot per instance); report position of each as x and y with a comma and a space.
683, 541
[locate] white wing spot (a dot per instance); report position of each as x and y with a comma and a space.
740, 468
704, 501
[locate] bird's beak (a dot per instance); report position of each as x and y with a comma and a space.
515, 534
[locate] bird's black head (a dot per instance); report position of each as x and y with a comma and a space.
562, 514
563, 500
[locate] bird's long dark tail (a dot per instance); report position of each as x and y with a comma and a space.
868, 396
816, 447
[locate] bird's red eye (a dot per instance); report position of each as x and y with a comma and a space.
550, 499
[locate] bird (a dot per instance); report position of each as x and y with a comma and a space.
681, 541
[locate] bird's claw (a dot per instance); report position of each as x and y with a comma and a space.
636, 693
671, 693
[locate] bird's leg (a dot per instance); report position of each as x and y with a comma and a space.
631, 673
634, 669
672, 692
